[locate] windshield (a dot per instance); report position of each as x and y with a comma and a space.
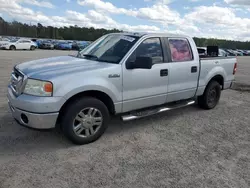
109, 48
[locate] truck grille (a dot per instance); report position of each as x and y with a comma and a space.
16, 81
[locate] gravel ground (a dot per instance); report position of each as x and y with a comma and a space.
243, 72
188, 147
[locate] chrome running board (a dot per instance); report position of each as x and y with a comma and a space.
149, 112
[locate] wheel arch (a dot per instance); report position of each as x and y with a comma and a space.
11, 46
218, 78
203, 99
105, 98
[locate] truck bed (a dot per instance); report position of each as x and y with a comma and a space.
214, 58
219, 65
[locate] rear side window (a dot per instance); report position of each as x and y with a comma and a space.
24, 41
180, 50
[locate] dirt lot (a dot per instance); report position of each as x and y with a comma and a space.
243, 73
188, 147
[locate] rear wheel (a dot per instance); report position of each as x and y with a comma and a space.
12, 47
211, 96
32, 48
85, 120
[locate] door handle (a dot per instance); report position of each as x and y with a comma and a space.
164, 72
193, 69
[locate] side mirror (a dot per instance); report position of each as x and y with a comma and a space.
140, 63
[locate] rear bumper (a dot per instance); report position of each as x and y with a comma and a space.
34, 120
231, 85
228, 85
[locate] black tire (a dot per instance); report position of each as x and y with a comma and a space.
12, 47
32, 48
211, 96
71, 112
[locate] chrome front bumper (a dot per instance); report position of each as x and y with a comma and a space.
34, 120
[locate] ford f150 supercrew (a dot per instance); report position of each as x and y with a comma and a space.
128, 74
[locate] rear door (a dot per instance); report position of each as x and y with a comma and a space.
183, 69
26, 44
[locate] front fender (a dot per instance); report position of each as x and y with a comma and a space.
112, 89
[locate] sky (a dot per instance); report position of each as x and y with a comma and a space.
225, 19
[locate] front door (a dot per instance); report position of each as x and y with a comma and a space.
146, 87
19, 45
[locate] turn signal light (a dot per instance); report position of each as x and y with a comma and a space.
48, 87
235, 68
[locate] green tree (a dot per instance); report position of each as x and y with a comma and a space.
16, 28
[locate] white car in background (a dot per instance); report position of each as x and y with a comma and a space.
19, 44
3, 41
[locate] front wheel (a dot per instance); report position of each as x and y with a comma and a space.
211, 96
12, 47
85, 120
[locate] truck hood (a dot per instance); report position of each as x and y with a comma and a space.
51, 67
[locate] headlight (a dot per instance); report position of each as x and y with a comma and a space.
38, 88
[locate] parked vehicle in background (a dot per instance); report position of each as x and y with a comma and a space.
244, 53
46, 45
4, 41
79, 45
56, 43
131, 74
223, 53
63, 46
233, 52
202, 51
237, 53
230, 52
19, 44
39, 42
34, 40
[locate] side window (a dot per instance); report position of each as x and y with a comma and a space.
180, 50
24, 41
149, 48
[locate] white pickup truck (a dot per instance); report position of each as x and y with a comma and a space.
130, 74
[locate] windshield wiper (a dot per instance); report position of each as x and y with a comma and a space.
90, 56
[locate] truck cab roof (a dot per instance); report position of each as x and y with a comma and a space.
141, 34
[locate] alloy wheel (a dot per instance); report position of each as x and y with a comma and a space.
87, 122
